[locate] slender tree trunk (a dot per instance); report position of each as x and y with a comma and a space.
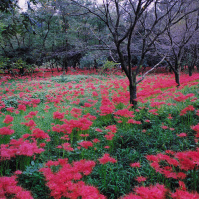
177, 77
133, 92
190, 70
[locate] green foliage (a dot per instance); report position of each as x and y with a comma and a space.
110, 65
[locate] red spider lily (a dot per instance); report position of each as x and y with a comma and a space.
19, 147
107, 107
157, 104
76, 112
31, 114
65, 146
147, 121
187, 160
140, 179
188, 108
106, 158
6, 131
30, 124
124, 113
96, 140
89, 116
164, 127
38, 133
95, 94
109, 136
10, 109
153, 192
66, 181
182, 186
86, 144
99, 130
58, 115
182, 135
112, 128
9, 188
195, 128
131, 121
22, 107
136, 164
181, 194
182, 98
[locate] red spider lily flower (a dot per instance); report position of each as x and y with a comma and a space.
42, 145
84, 135
153, 192
131, 196
140, 179
106, 158
10, 109
8, 119
188, 108
58, 115
38, 133
19, 147
30, 124
181, 194
99, 130
169, 117
96, 140
9, 188
95, 94
195, 128
88, 105
182, 135
131, 121
136, 164
107, 147
22, 107
182, 185
109, 136
18, 172
69, 176
164, 127
31, 114
65, 146
86, 144
147, 121
112, 128
6, 131
124, 113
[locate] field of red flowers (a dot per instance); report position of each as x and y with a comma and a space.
76, 136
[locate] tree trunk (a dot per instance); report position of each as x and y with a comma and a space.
190, 70
133, 93
177, 78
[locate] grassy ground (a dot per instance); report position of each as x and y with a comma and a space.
77, 135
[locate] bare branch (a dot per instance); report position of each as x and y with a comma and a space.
143, 76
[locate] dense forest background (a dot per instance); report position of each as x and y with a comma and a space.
89, 34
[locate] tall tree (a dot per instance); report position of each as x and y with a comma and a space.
122, 19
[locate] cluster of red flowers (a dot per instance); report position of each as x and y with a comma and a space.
19, 147
106, 158
187, 160
160, 192
6, 131
9, 188
66, 182
68, 126
188, 108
